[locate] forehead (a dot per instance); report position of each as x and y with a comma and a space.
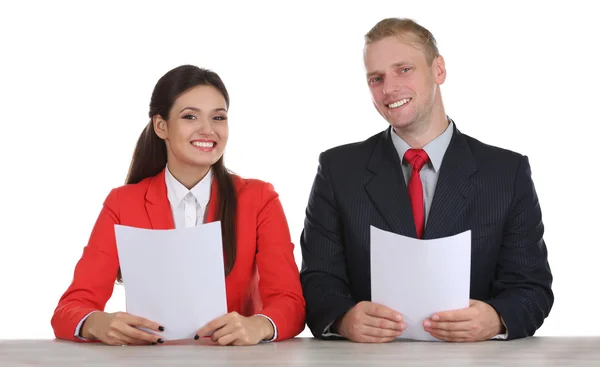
390, 51
201, 95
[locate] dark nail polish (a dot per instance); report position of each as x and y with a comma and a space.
160, 340
153, 343
196, 337
161, 328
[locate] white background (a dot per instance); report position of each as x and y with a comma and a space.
76, 79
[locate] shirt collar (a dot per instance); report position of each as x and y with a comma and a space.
176, 191
435, 149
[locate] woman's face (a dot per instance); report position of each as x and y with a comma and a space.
196, 131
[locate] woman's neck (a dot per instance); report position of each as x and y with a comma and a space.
188, 176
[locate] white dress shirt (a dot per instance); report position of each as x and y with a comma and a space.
188, 206
189, 210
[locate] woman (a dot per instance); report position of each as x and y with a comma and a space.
177, 179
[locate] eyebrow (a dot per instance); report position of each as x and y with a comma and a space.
199, 110
395, 65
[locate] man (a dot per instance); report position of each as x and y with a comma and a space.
422, 178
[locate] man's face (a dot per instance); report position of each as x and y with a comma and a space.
403, 85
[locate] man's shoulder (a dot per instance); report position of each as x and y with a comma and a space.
493, 161
355, 151
485, 152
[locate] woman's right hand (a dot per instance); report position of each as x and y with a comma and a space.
119, 328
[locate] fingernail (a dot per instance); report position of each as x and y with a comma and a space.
399, 318
160, 340
435, 317
161, 328
196, 337
427, 324
153, 343
403, 326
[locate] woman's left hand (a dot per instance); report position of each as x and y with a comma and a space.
235, 329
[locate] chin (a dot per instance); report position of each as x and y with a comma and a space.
201, 163
207, 163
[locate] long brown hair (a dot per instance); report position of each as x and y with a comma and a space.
150, 154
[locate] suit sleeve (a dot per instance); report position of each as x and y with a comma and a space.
324, 276
522, 293
94, 276
279, 283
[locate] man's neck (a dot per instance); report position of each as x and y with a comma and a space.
419, 134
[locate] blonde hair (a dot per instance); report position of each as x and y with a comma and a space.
401, 27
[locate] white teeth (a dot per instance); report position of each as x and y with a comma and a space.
399, 103
203, 144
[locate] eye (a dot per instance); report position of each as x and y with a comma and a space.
376, 79
189, 117
220, 118
405, 70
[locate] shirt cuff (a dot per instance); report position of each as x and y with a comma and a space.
502, 336
327, 332
78, 328
274, 329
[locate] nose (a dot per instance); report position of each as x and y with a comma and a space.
205, 127
390, 85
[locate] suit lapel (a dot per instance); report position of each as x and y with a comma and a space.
159, 208
387, 188
157, 203
454, 190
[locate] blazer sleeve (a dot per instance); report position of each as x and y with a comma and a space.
279, 283
522, 293
94, 276
324, 275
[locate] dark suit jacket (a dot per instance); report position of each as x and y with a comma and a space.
486, 189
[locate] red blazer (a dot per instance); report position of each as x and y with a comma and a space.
263, 246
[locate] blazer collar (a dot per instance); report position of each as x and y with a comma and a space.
158, 206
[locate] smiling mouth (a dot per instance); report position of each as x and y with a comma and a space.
399, 103
205, 146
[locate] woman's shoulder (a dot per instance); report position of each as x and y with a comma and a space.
131, 192
252, 187
133, 188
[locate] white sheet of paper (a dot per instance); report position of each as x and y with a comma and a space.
418, 278
173, 277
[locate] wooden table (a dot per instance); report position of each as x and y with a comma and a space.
536, 351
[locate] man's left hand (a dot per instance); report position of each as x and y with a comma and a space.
477, 322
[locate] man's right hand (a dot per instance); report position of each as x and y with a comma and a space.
119, 328
369, 322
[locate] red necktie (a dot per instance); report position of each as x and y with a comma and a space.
417, 159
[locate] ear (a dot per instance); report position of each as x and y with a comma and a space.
160, 127
439, 69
